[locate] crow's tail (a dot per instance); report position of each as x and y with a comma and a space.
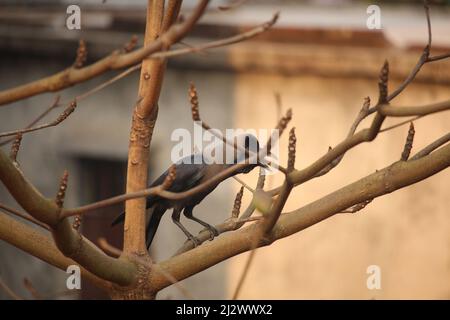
153, 223
119, 219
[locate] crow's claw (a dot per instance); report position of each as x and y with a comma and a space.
194, 241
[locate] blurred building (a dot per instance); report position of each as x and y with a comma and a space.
322, 60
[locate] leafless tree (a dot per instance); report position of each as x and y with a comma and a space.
130, 273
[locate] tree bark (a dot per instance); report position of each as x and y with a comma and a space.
143, 123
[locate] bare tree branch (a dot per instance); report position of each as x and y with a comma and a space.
54, 105
63, 116
115, 60
272, 217
157, 190
357, 207
393, 111
231, 5
31, 289
229, 224
423, 59
244, 274
108, 248
222, 42
9, 291
439, 57
195, 111
130, 273
363, 113
68, 240
32, 241
432, 146
23, 216
143, 123
401, 123
300, 176
389, 179
166, 54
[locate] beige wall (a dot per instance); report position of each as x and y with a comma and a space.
405, 233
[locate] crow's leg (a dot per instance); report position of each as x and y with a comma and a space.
188, 213
176, 219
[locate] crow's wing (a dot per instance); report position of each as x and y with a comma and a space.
189, 171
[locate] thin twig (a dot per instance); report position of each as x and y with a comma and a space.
362, 114
244, 274
271, 219
115, 60
63, 116
54, 105
431, 147
400, 124
23, 216
195, 111
78, 98
193, 49
9, 291
109, 202
365, 135
107, 82
157, 190
232, 5
422, 60
31, 289
166, 54
220, 43
119, 61
245, 185
439, 57
408, 111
